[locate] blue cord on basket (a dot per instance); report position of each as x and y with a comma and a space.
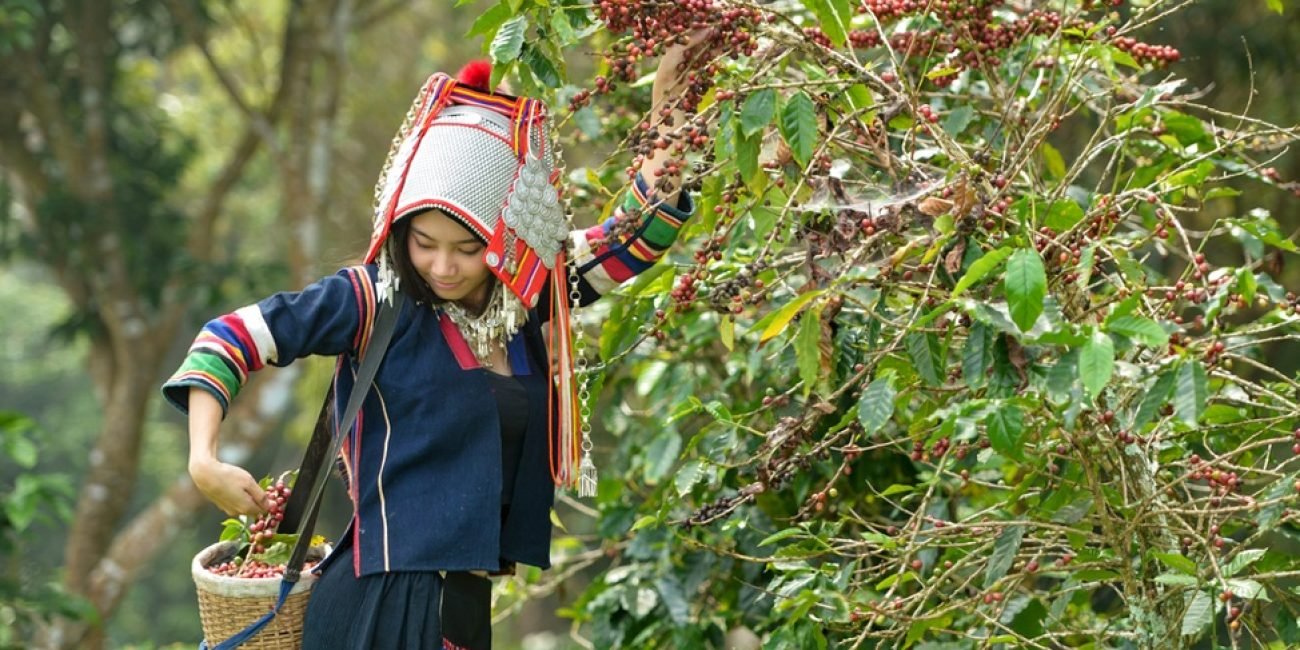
248, 632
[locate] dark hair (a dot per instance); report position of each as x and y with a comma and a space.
410, 281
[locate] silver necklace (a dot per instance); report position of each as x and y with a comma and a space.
493, 327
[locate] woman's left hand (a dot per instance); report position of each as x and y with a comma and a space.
670, 80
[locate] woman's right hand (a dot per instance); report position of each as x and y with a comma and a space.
229, 487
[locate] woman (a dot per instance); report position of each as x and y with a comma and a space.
451, 464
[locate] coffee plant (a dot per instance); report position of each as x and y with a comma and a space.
974, 340
260, 551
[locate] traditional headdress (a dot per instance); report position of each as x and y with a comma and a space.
484, 159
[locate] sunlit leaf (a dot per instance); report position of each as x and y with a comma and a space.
799, 126
1025, 284
1198, 615
877, 404
509, 40
1096, 363
1191, 392
1005, 548
758, 111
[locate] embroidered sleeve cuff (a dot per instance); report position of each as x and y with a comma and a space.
206, 371
684, 209
608, 255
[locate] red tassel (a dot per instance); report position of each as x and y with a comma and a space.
476, 74
565, 434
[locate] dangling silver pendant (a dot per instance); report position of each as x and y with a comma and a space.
586, 477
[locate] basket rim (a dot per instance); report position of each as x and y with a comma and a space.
207, 581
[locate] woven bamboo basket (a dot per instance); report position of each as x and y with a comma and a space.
228, 605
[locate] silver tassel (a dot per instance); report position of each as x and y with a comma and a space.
586, 477
388, 280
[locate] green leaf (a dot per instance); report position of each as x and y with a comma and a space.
799, 127
1198, 615
727, 332
563, 29
1191, 393
1246, 284
1025, 284
759, 109
1123, 308
877, 404
542, 68
21, 450
747, 150
1275, 6
920, 627
780, 535
807, 347
1270, 514
1140, 329
509, 40
1177, 579
277, 553
1006, 426
232, 529
1248, 589
958, 119
862, 101
1096, 363
1063, 215
660, 455
833, 17
1005, 548
1053, 160
1152, 400
644, 521
489, 21
1085, 265
782, 317
977, 354
1243, 560
688, 476
923, 349
897, 488
673, 597
981, 268
1177, 561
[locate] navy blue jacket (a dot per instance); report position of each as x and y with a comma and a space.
424, 460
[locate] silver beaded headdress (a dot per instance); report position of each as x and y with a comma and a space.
484, 159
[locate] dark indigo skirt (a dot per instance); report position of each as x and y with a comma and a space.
397, 611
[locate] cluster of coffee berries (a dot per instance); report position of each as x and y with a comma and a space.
654, 25
262, 530
940, 447
970, 37
1146, 52
1222, 482
685, 292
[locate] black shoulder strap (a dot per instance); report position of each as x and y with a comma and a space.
304, 502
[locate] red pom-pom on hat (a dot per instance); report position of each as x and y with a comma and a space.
476, 74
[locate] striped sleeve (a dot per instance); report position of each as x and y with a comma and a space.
609, 254
330, 317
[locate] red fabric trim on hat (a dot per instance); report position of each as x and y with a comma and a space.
460, 214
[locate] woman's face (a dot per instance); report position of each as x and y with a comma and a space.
449, 258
